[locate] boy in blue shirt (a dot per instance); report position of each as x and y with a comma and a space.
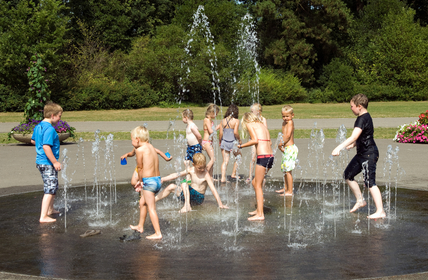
47, 148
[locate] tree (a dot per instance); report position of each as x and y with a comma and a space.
302, 36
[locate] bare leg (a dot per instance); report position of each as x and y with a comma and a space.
358, 196
377, 198
235, 165
288, 184
186, 207
143, 214
210, 152
252, 162
46, 203
134, 178
51, 210
226, 156
165, 192
257, 184
151, 205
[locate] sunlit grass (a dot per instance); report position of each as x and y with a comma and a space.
301, 110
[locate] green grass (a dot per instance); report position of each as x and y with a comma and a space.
380, 133
301, 110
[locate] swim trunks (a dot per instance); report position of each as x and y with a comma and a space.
358, 163
196, 198
289, 158
192, 150
50, 178
265, 160
152, 184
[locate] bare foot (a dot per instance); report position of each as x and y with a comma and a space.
377, 215
256, 218
248, 180
47, 220
286, 194
358, 205
252, 213
280, 191
154, 236
184, 209
137, 228
53, 212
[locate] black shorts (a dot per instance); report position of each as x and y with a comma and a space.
357, 164
265, 160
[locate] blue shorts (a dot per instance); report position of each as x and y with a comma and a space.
50, 178
152, 184
191, 150
196, 198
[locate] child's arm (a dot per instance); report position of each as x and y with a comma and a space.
207, 124
253, 137
236, 131
214, 191
130, 154
287, 132
139, 159
174, 176
350, 142
195, 131
162, 154
48, 151
220, 133
264, 121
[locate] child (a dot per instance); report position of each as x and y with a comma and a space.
228, 134
47, 148
192, 193
194, 138
289, 150
148, 180
134, 178
210, 114
259, 136
256, 109
362, 137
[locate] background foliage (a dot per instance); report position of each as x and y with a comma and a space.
113, 54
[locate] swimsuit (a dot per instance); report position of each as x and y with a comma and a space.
228, 137
289, 157
265, 160
192, 150
196, 198
152, 184
206, 141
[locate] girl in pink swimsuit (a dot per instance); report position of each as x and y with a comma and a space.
207, 145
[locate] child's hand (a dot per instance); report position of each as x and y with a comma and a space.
336, 151
57, 166
224, 207
124, 156
138, 186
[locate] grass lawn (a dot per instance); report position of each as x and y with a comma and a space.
301, 110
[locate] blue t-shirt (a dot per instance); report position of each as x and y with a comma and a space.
45, 134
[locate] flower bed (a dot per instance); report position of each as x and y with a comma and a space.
416, 132
28, 127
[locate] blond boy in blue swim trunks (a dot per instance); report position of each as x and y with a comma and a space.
191, 191
149, 181
289, 150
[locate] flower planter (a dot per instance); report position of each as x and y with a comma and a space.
26, 138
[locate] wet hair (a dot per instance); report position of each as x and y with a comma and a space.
287, 109
212, 108
248, 117
51, 109
232, 110
258, 107
187, 114
360, 99
141, 132
199, 160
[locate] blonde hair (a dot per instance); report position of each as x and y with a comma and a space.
199, 160
212, 108
287, 109
258, 107
360, 99
141, 132
248, 117
187, 113
51, 109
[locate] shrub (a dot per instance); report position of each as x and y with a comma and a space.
337, 81
11, 101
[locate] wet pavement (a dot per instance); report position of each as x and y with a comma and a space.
19, 225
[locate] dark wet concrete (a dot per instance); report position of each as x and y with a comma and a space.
317, 238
